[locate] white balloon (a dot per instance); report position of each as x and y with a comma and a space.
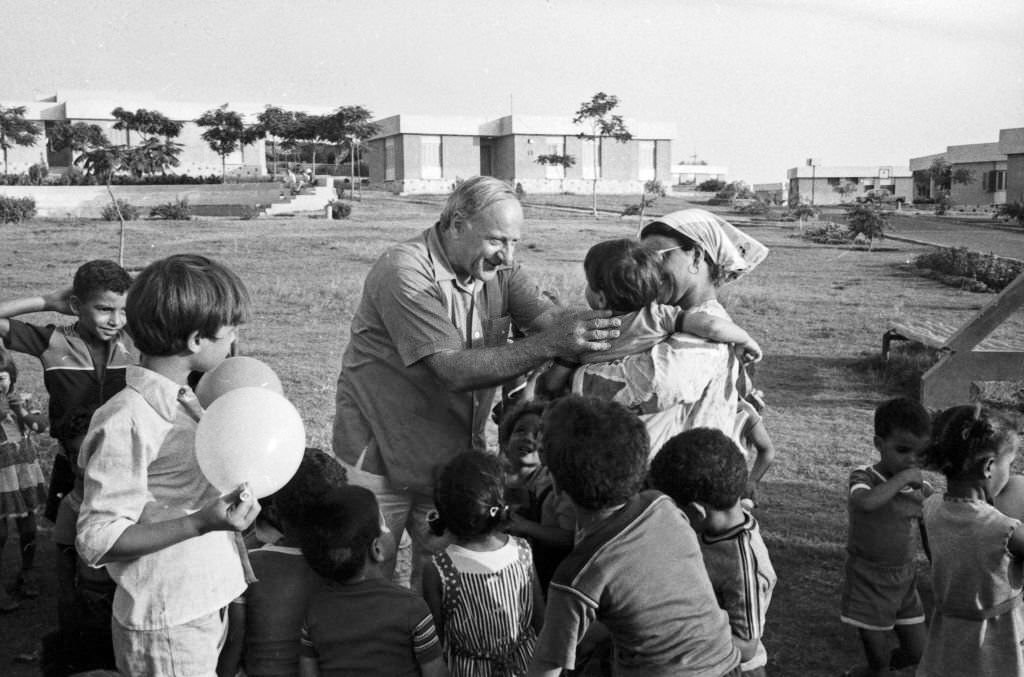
236, 372
253, 435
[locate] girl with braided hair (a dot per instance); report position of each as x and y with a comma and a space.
977, 552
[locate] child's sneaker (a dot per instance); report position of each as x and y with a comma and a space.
27, 584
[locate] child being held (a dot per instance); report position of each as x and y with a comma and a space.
359, 622
22, 488
149, 515
636, 567
977, 626
265, 624
483, 590
880, 587
540, 514
705, 474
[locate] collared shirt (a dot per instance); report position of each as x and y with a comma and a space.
393, 416
69, 374
140, 467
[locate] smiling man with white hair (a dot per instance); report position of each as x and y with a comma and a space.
429, 346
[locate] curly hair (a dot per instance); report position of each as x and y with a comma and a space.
470, 495
965, 437
317, 475
700, 465
337, 537
99, 276
512, 416
902, 413
595, 449
627, 273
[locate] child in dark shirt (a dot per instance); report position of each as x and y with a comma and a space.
387, 629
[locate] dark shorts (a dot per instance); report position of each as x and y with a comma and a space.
879, 596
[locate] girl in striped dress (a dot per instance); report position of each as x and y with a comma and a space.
22, 486
482, 589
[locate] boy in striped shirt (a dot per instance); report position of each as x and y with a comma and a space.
705, 473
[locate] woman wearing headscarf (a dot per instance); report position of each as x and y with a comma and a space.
683, 382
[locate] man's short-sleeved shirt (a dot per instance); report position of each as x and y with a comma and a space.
886, 535
390, 406
640, 572
743, 578
69, 374
372, 627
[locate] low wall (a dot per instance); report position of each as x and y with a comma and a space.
88, 201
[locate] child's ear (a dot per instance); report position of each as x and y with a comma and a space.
986, 467
192, 343
878, 442
74, 303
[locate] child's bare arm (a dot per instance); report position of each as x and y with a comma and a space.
230, 512
58, 301
552, 536
765, 456
868, 500
1016, 543
721, 330
432, 593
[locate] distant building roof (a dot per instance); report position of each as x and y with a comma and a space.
1011, 141
962, 154
687, 168
863, 171
531, 125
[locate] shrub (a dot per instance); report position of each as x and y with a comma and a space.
993, 272
802, 211
340, 210
129, 212
38, 172
711, 186
655, 188
179, 210
828, 232
249, 212
756, 207
16, 209
867, 220
943, 204
1013, 210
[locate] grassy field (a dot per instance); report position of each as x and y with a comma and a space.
818, 311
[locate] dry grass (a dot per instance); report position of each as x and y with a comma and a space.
818, 311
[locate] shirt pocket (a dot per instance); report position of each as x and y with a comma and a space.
496, 330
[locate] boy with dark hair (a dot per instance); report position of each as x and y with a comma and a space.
705, 473
390, 630
880, 588
636, 567
266, 622
84, 365
149, 515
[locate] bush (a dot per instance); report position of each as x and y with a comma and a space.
129, 212
828, 232
1013, 210
756, 207
179, 210
249, 212
340, 210
16, 209
711, 186
655, 188
993, 272
867, 220
802, 211
38, 172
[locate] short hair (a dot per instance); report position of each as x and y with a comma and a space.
98, 276
702, 465
595, 449
7, 364
688, 245
175, 296
902, 413
966, 436
317, 475
627, 273
512, 416
470, 495
471, 197
337, 537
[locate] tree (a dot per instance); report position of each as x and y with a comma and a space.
802, 212
557, 160
145, 122
103, 161
868, 220
711, 186
15, 130
224, 133
941, 174
277, 123
77, 136
348, 127
597, 115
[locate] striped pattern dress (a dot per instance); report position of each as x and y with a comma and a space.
487, 604
22, 486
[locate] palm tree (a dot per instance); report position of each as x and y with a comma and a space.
15, 130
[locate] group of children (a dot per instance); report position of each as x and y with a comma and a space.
581, 546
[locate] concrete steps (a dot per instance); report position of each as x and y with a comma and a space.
314, 201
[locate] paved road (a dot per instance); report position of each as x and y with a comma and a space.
982, 236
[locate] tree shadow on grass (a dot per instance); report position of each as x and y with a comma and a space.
817, 382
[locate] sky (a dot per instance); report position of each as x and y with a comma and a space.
756, 85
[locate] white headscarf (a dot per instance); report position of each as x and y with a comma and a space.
735, 252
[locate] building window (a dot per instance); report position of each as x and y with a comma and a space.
994, 180
430, 157
590, 159
645, 160
833, 180
389, 159
554, 145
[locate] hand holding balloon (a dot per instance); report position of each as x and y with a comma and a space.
233, 511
